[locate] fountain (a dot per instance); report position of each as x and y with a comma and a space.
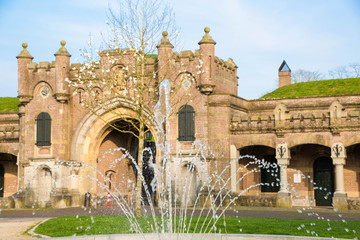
176, 196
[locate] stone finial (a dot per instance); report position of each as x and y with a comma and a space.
165, 41
207, 38
25, 53
62, 51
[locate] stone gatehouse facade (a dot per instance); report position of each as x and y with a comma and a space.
48, 149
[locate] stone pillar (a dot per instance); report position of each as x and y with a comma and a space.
338, 155
234, 160
164, 55
283, 160
62, 72
207, 55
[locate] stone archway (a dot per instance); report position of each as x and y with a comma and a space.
302, 170
89, 136
118, 154
254, 176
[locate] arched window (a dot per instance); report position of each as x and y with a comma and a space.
43, 133
186, 123
2, 173
270, 175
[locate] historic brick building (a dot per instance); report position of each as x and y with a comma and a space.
49, 148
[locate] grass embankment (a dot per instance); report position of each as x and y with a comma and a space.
9, 104
317, 88
95, 225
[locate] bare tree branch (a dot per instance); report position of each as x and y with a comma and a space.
305, 76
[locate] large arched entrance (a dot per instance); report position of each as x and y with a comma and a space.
323, 181
117, 162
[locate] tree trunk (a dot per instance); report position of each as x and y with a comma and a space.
141, 140
139, 173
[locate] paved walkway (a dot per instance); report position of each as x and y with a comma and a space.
13, 228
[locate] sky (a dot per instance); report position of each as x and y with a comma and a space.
257, 34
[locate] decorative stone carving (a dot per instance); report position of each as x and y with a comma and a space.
338, 153
280, 112
206, 89
282, 154
336, 110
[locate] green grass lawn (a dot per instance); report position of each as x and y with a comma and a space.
9, 104
86, 225
317, 88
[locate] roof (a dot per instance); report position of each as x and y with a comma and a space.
284, 67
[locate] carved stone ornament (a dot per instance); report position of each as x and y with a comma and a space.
282, 151
338, 151
206, 89
186, 83
44, 91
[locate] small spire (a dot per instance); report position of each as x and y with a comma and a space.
62, 51
207, 38
165, 41
25, 53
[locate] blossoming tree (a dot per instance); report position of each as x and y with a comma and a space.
128, 70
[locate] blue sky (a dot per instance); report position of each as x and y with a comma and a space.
257, 34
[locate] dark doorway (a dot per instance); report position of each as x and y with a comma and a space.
270, 175
324, 181
2, 173
149, 162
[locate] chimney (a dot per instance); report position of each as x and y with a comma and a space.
284, 74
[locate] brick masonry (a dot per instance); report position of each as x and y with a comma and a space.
79, 138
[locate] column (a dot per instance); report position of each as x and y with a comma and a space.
338, 155
283, 160
234, 160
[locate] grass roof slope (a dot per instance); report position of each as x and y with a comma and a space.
317, 88
9, 104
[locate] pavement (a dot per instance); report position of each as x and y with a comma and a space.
13, 228
13, 222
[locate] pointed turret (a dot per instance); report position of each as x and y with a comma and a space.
62, 71
164, 53
24, 59
207, 54
284, 74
